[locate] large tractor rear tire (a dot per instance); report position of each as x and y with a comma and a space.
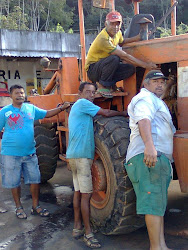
113, 203
47, 150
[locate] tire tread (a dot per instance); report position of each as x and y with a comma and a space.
114, 132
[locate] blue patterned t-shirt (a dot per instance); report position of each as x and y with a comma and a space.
18, 124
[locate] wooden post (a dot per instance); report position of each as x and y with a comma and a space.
111, 5
136, 8
173, 19
82, 38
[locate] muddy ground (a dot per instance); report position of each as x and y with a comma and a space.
55, 232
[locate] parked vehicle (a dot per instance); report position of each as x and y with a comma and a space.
4, 94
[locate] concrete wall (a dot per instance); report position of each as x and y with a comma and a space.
25, 71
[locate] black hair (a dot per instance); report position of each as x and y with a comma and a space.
82, 85
16, 86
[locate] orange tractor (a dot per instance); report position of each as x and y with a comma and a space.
113, 200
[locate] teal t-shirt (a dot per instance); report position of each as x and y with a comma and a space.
18, 124
81, 133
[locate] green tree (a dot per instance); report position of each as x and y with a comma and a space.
14, 20
182, 29
60, 13
162, 32
58, 29
47, 14
40, 14
158, 9
70, 31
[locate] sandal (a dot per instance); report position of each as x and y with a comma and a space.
2, 210
20, 215
105, 93
43, 212
90, 241
77, 233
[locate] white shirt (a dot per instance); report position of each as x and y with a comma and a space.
146, 105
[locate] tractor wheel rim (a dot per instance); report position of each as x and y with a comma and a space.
100, 198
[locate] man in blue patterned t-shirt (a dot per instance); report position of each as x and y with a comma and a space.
18, 153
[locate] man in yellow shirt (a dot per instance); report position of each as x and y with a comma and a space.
105, 63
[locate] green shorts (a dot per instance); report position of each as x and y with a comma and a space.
150, 184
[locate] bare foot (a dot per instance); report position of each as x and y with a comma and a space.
164, 247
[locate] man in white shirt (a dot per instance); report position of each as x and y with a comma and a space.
149, 154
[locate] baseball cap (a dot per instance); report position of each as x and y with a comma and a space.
155, 74
114, 16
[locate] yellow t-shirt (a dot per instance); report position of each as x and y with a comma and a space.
102, 46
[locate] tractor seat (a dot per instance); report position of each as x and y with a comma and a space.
134, 27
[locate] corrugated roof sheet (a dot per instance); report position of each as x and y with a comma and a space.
15, 43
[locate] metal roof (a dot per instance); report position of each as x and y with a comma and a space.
14, 43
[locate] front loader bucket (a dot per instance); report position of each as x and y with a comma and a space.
181, 159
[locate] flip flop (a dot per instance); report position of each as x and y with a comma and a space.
2, 210
105, 93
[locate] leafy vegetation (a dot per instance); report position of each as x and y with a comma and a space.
62, 15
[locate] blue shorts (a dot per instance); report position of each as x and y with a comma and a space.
14, 167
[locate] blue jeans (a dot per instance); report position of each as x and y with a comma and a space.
14, 167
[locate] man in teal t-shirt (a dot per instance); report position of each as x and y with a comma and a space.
18, 153
80, 154
81, 135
